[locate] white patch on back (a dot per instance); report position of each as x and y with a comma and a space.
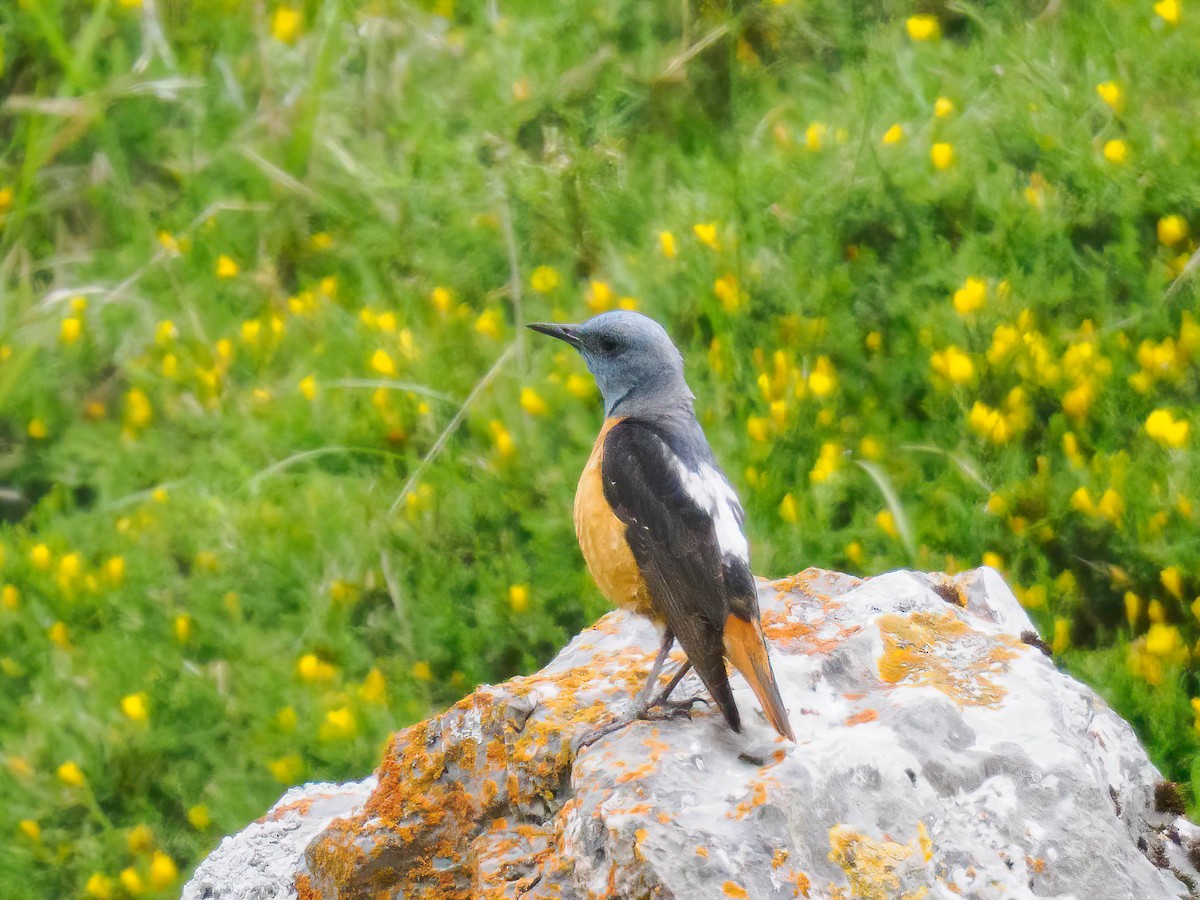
713, 494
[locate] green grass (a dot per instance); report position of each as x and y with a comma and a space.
389, 179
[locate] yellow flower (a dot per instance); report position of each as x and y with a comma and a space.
224, 349
71, 775
1166, 429
59, 636
6, 197
70, 330
953, 364
1155, 612
994, 560
286, 719
488, 323
1110, 92
1164, 641
30, 829
1116, 151
518, 597
37, 429
943, 107
1035, 191
198, 817
887, 523
822, 380
1077, 401
227, 267
382, 363
40, 557
1168, 11
544, 279
727, 291
312, 668
286, 769
168, 242
1133, 608
131, 881
874, 341
666, 243
923, 28
942, 155
159, 495
339, 724
140, 839
134, 706
1062, 636
580, 386
1111, 506
10, 597
308, 387
787, 508
894, 135
285, 24
99, 887
532, 402
1172, 230
138, 411
321, 240
814, 135
421, 671
600, 297
971, 296
442, 299
757, 428
1172, 580
501, 438
374, 688
871, 448
854, 553
827, 462
706, 232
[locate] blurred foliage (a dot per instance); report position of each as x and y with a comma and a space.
926, 262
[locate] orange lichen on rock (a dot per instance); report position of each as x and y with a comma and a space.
757, 798
862, 717
304, 889
797, 636
735, 890
941, 651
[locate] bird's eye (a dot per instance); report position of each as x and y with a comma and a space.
607, 343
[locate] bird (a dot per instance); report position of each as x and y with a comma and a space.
659, 523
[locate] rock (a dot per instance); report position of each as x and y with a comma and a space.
938, 755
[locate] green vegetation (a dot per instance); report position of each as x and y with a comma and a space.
928, 272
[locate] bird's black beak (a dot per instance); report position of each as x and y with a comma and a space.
568, 333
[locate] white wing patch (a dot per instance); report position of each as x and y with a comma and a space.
713, 494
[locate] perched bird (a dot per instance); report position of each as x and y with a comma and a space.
659, 523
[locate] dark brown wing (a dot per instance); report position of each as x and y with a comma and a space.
693, 581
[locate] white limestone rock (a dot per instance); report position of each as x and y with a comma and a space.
938, 756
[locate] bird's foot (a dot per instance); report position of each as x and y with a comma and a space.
616, 724
673, 709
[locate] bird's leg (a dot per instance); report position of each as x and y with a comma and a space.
643, 698
681, 705
642, 702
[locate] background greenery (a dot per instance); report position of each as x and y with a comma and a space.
927, 263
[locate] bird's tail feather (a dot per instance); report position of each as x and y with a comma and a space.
747, 650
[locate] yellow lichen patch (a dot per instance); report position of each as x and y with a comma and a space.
305, 889
873, 867
735, 890
778, 858
941, 651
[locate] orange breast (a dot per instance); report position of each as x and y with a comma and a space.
602, 538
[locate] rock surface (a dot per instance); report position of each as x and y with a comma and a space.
938, 755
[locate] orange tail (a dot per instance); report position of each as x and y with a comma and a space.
747, 650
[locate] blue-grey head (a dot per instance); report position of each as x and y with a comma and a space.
636, 366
